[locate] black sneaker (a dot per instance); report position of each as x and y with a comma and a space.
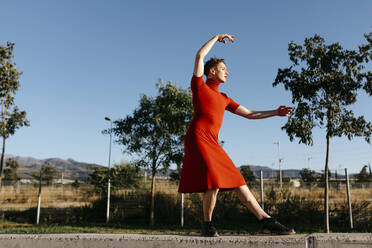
272, 226
208, 230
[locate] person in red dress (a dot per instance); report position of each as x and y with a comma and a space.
206, 166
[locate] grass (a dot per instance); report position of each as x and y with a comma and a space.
16, 228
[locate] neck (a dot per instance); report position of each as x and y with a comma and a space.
213, 83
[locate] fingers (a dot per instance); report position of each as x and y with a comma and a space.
284, 111
287, 110
221, 38
230, 37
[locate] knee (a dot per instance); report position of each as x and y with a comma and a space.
241, 188
212, 191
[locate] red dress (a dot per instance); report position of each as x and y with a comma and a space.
206, 165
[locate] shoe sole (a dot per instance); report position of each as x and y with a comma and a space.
268, 232
211, 236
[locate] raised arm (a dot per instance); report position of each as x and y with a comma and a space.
204, 50
254, 114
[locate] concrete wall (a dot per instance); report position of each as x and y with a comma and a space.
183, 241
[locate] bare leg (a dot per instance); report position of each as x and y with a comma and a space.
209, 201
247, 198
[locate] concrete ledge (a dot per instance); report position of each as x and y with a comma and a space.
340, 240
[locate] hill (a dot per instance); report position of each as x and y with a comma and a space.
292, 173
72, 169
269, 172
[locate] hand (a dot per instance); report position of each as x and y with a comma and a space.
283, 111
221, 38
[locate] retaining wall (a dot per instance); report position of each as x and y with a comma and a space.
334, 240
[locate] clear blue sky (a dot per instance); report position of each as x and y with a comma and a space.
84, 60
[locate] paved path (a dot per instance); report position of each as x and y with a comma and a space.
334, 240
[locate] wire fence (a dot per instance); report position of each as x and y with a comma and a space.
24, 196
62, 203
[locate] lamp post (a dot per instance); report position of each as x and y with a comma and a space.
280, 165
108, 174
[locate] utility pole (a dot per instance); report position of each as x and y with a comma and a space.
280, 165
308, 162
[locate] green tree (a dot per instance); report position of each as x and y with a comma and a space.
76, 184
248, 175
363, 175
122, 176
324, 80
10, 171
286, 179
126, 176
156, 130
308, 176
11, 117
175, 175
48, 174
98, 178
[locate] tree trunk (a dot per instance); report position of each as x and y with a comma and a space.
152, 199
326, 209
2, 162
3, 150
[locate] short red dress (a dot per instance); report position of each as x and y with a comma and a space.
206, 165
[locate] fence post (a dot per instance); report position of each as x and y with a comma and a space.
262, 191
62, 190
348, 198
182, 200
39, 197
18, 188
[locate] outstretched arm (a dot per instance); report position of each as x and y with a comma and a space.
253, 114
204, 50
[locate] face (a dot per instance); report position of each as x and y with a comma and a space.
219, 72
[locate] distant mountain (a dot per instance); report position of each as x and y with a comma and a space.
81, 170
269, 172
72, 169
292, 173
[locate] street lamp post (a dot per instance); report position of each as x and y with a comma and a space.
108, 174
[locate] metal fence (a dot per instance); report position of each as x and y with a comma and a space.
132, 205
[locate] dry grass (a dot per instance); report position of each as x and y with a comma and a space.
335, 195
26, 196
